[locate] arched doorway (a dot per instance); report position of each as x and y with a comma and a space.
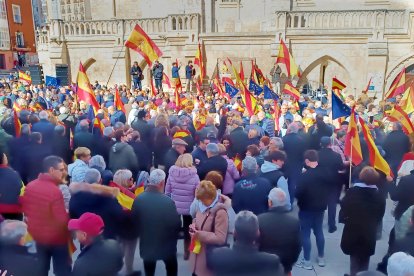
321, 72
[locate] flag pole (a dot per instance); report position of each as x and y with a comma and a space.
116, 61
350, 166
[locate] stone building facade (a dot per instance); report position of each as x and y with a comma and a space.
353, 40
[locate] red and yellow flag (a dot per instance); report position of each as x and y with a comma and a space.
291, 90
181, 134
241, 71
25, 77
98, 124
398, 85
398, 115
166, 80
375, 158
17, 107
71, 141
198, 60
140, 42
352, 143
125, 197
337, 84
119, 105
84, 89
199, 120
286, 59
256, 74
237, 162
219, 88
276, 115
17, 124
407, 101
195, 246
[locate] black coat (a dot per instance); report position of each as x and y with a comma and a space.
362, 210
106, 206
170, 158
101, 258
46, 128
238, 143
61, 148
158, 224
102, 146
214, 163
251, 193
160, 148
144, 130
280, 235
331, 162
35, 154
144, 155
18, 150
316, 132
403, 193
396, 144
18, 262
245, 260
294, 145
84, 139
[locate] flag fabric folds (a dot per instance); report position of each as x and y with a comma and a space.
219, 88
237, 162
269, 94
276, 114
181, 134
98, 125
198, 60
255, 88
166, 80
339, 108
228, 80
241, 71
51, 81
84, 89
231, 90
25, 77
119, 105
249, 101
398, 115
17, 124
140, 42
407, 101
398, 85
195, 246
352, 143
291, 90
285, 58
337, 84
375, 158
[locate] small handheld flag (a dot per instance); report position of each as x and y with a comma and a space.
231, 90
255, 88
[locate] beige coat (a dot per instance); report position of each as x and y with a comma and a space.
198, 263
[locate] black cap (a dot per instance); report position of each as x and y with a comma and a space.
142, 114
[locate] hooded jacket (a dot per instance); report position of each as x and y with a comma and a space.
276, 178
122, 156
181, 185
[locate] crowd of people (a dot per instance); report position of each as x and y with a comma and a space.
229, 184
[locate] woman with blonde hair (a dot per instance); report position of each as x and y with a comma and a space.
181, 184
209, 228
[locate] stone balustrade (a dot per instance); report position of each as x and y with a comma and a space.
391, 21
59, 30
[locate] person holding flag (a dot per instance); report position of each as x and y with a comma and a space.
137, 76
189, 76
175, 74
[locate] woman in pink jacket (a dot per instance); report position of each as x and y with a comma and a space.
232, 174
181, 184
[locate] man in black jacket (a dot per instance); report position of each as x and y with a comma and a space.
280, 231
251, 191
238, 139
14, 256
158, 225
142, 126
244, 258
178, 148
136, 73
396, 144
312, 194
214, 162
98, 256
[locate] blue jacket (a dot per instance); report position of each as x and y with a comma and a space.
118, 116
46, 128
175, 72
188, 72
157, 71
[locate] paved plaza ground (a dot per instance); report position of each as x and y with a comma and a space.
336, 262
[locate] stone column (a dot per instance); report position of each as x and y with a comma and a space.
209, 15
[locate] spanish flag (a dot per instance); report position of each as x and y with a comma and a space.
219, 88
153, 90
166, 80
241, 71
198, 60
352, 144
84, 89
257, 74
286, 59
237, 162
119, 105
17, 124
17, 107
199, 120
398, 85
291, 90
276, 114
337, 84
181, 134
195, 246
407, 101
98, 124
375, 158
125, 197
398, 115
140, 42
25, 77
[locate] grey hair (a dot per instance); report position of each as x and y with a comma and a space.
92, 176
43, 115
122, 177
25, 130
118, 125
278, 141
400, 264
246, 226
249, 164
108, 131
60, 130
213, 149
292, 128
97, 161
278, 197
11, 231
156, 177
84, 124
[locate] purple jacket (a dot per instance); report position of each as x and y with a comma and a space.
181, 185
232, 174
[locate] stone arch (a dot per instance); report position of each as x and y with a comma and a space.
174, 24
82, 29
395, 69
322, 58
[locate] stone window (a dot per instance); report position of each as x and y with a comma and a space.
3, 12
19, 40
